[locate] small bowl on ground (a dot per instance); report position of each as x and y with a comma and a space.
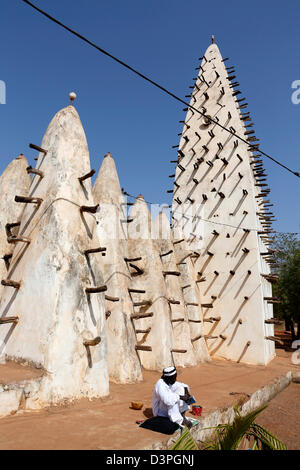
137, 405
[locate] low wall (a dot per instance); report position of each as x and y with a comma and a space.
19, 396
226, 415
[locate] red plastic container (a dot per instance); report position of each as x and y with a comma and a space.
197, 410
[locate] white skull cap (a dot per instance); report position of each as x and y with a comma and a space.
168, 371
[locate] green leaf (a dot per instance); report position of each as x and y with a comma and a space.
230, 436
185, 442
236, 431
267, 439
255, 445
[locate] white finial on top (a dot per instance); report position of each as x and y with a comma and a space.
72, 97
213, 39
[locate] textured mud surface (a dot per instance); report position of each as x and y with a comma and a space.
282, 417
110, 423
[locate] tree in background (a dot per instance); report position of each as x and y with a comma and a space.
287, 257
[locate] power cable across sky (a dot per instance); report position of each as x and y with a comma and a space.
157, 85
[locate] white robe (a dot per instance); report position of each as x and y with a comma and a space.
166, 401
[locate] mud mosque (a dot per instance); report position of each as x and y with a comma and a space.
93, 289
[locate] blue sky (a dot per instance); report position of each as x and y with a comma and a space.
41, 63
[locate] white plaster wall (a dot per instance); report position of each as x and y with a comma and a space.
228, 216
111, 228
19, 396
13, 181
181, 330
192, 298
160, 337
55, 313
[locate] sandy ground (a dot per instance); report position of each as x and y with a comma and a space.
282, 417
13, 372
111, 423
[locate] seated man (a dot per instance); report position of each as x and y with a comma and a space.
169, 404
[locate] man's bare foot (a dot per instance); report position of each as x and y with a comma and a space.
187, 423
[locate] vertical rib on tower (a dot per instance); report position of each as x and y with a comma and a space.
192, 297
178, 311
111, 228
217, 180
154, 331
13, 181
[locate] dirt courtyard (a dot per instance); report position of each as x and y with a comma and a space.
110, 423
282, 417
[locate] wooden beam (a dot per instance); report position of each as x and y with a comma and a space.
130, 260
95, 290
144, 331
90, 209
275, 339
4, 320
143, 303
8, 228
171, 273
273, 321
138, 270
112, 299
165, 254
94, 250
39, 149
10, 283
178, 241
88, 175
136, 291
137, 316
196, 338
14, 239
34, 171
92, 342
140, 347
28, 200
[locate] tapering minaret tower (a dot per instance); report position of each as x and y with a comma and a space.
178, 310
111, 228
219, 205
53, 309
185, 261
152, 315
14, 180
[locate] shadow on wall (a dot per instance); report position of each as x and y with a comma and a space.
9, 333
